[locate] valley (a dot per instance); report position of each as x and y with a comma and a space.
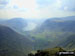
50, 33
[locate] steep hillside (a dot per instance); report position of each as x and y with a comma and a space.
12, 43
68, 42
58, 25
54, 31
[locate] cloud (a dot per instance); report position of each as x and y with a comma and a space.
38, 8
49, 13
30, 4
68, 5
3, 3
21, 8
7, 13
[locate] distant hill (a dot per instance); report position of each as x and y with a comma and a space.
13, 43
21, 24
53, 31
59, 24
15, 23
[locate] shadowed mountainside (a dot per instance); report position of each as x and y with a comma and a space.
13, 43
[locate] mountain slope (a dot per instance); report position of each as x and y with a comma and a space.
15, 23
69, 42
12, 43
54, 31
58, 25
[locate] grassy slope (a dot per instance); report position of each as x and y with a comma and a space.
13, 43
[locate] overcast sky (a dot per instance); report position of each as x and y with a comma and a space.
36, 8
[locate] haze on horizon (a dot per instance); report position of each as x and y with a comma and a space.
36, 8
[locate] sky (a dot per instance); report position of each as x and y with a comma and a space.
36, 8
